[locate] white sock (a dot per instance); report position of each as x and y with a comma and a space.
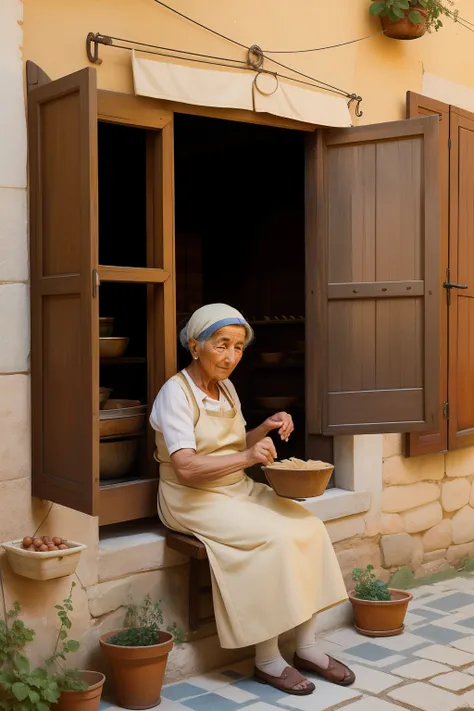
268, 658
306, 647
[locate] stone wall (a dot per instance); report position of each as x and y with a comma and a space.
427, 510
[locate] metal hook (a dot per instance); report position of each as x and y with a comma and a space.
255, 57
93, 52
357, 99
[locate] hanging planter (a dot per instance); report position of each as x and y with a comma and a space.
411, 19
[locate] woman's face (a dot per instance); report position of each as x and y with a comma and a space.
221, 354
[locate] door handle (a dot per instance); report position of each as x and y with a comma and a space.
450, 285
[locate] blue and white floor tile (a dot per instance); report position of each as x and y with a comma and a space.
428, 668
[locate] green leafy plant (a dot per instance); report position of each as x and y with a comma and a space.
26, 689
368, 586
395, 10
143, 626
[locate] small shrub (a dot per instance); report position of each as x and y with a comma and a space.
144, 623
368, 586
395, 11
26, 689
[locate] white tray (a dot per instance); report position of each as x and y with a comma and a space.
43, 566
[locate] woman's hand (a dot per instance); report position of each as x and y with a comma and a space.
283, 422
263, 452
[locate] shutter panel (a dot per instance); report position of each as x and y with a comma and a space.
461, 266
372, 278
418, 106
62, 131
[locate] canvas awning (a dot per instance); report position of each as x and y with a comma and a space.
238, 90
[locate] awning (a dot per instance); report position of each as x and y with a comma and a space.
247, 89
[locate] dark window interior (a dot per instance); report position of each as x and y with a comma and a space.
240, 240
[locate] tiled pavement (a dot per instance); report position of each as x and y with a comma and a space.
428, 668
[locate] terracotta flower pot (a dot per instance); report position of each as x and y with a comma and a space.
138, 672
384, 618
88, 700
405, 29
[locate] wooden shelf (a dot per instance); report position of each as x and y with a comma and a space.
277, 322
137, 275
277, 366
123, 361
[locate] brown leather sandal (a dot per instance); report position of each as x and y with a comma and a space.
336, 673
286, 682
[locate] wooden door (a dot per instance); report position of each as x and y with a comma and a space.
461, 271
373, 278
436, 440
62, 132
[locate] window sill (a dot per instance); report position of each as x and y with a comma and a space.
126, 550
338, 503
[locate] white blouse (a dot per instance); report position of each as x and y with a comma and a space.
174, 418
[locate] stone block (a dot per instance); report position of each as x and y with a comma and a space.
169, 586
400, 470
471, 496
396, 499
435, 566
14, 327
21, 514
12, 116
126, 553
455, 494
77, 526
463, 525
460, 463
435, 555
345, 528
458, 554
357, 554
397, 549
423, 517
15, 444
392, 445
13, 235
391, 523
440, 536
418, 552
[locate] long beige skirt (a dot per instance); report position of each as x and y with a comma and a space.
272, 563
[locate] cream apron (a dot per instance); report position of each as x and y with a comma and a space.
272, 563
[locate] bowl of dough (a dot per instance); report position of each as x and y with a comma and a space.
298, 479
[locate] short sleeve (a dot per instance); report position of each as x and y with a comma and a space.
173, 417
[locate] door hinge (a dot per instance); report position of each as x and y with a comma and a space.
446, 410
449, 143
95, 283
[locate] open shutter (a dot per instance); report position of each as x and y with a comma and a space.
373, 278
436, 440
62, 133
461, 271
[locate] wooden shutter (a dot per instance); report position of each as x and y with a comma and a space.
62, 133
373, 278
461, 266
436, 440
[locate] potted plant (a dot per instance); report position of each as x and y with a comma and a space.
51, 687
410, 19
379, 611
138, 654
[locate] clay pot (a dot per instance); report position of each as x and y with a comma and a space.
404, 29
88, 700
138, 672
381, 618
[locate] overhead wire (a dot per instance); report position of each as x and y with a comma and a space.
216, 60
317, 82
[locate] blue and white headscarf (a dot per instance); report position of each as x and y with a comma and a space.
208, 319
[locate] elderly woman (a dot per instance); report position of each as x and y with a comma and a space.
273, 566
